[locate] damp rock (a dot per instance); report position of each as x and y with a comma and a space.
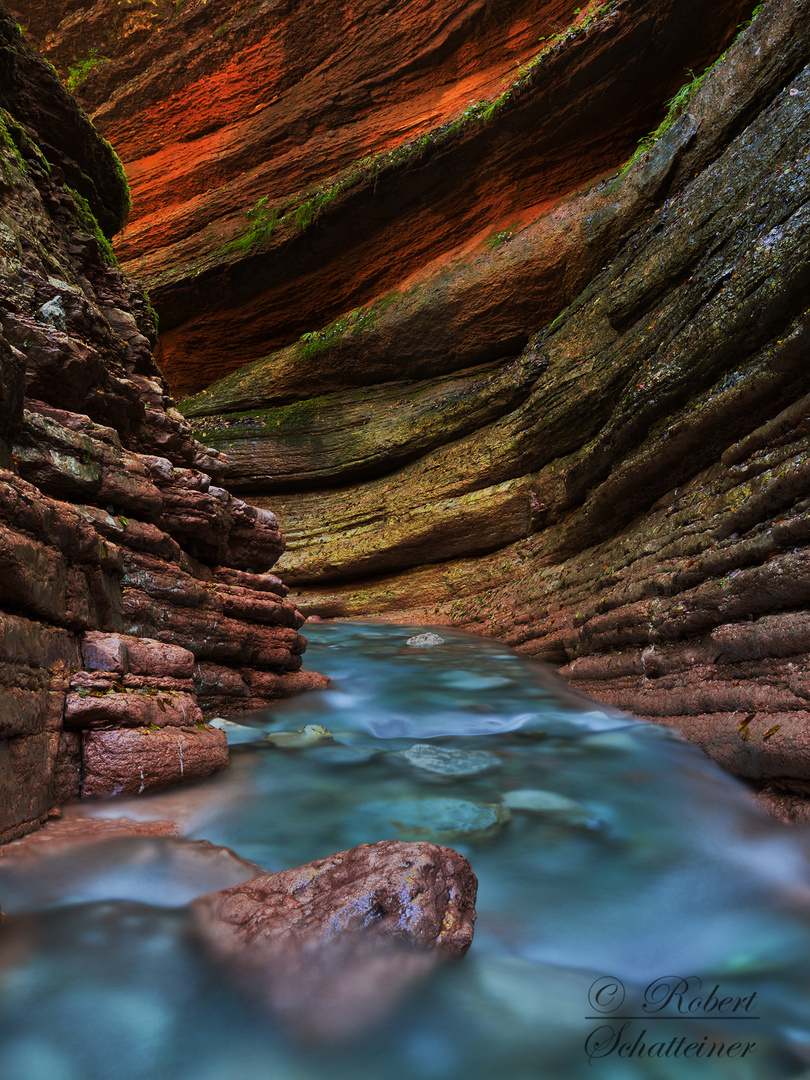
424, 641
130, 761
53, 313
330, 947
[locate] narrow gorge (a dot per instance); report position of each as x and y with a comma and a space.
474, 336
495, 355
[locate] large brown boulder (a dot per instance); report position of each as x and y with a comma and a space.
330, 946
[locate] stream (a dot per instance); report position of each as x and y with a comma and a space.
637, 916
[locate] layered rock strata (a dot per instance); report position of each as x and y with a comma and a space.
134, 590
627, 497
571, 407
288, 164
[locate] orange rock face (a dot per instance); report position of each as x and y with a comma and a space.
219, 108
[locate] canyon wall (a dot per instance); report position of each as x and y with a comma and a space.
135, 598
289, 162
499, 369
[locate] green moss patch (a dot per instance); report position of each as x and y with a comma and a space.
90, 227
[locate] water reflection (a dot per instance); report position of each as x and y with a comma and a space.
602, 847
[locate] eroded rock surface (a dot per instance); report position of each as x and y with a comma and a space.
331, 946
288, 164
496, 379
128, 576
637, 514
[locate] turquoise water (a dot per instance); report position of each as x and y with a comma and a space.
609, 854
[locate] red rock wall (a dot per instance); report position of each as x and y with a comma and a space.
570, 409
226, 106
135, 598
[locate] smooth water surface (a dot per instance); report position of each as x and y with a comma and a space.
612, 857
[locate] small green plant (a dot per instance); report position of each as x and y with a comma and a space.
319, 341
90, 227
150, 311
84, 68
122, 177
264, 219
7, 143
495, 239
676, 106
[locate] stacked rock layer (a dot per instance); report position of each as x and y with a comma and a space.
135, 597
500, 378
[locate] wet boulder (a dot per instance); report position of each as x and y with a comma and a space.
329, 947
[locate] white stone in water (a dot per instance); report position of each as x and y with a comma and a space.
424, 641
221, 724
548, 804
310, 735
446, 762
236, 733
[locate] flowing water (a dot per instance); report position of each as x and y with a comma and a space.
636, 917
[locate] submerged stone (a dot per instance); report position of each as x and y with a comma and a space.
547, 804
310, 735
428, 818
332, 753
452, 763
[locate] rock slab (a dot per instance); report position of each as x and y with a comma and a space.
132, 761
